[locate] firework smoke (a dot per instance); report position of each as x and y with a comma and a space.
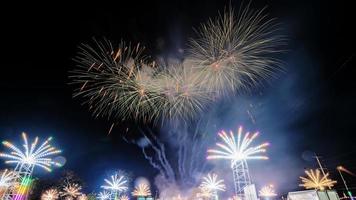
229, 54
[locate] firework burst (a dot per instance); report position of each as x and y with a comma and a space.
33, 154
125, 86
116, 184
204, 193
124, 197
104, 195
7, 178
229, 53
315, 180
116, 82
83, 197
267, 191
183, 97
141, 190
51, 194
237, 149
236, 51
71, 191
211, 182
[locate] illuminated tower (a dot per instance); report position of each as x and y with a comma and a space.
241, 176
25, 161
238, 151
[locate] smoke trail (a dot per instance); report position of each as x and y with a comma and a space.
186, 145
159, 159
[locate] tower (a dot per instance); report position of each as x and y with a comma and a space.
24, 172
32, 155
241, 177
238, 150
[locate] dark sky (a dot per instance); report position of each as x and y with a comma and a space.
39, 42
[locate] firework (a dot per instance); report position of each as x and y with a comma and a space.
8, 181
230, 53
104, 195
236, 51
204, 193
7, 178
267, 191
116, 184
141, 190
341, 168
238, 151
51, 194
128, 87
183, 96
211, 182
115, 82
82, 197
33, 154
124, 197
315, 180
71, 191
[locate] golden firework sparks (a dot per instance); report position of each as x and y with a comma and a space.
315, 180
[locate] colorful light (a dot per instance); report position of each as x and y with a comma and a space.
82, 197
116, 185
7, 179
124, 197
315, 180
204, 193
24, 188
267, 191
236, 52
8, 182
71, 191
341, 168
141, 190
237, 150
211, 182
104, 195
51, 194
230, 53
33, 154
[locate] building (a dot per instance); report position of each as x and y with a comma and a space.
313, 195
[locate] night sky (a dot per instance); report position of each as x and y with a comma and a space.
313, 100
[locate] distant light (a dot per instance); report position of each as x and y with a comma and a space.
116, 183
267, 191
211, 182
142, 190
60, 160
